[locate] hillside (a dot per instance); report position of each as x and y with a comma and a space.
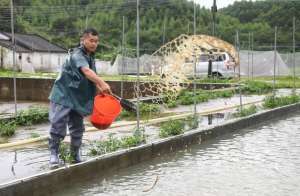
62, 21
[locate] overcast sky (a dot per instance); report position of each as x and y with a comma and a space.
220, 3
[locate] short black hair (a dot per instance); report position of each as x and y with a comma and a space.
91, 31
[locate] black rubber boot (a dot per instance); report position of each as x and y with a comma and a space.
75, 152
54, 149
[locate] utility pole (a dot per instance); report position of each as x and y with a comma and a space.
294, 52
214, 10
14, 52
252, 55
249, 40
164, 31
275, 60
195, 63
138, 62
238, 50
123, 53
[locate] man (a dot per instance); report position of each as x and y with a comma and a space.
72, 96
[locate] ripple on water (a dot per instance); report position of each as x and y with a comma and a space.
263, 160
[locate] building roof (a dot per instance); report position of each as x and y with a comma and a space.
30, 43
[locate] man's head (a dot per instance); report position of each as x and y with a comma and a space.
90, 40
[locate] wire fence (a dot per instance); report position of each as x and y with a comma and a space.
274, 59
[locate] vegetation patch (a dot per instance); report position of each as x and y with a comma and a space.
33, 115
7, 128
170, 128
176, 127
113, 144
216, 80
245, 111
273, 101
65, 153
256, 87
186, 97
146, 111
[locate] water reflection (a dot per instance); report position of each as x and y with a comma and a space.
262, 160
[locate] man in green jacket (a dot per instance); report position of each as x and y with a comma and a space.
72, 96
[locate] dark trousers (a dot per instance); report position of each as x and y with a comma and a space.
61, 118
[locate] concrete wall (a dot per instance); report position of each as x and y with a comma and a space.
32, 61
50, 182
37, 89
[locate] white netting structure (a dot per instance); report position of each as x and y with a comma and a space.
173, 57
263, 64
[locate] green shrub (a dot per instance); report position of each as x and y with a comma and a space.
256, 87
273, 101
65, 153
32, 115
146, 110
246, 111
173, 127
186, 100
131, 141
7, 128
172, 104
113, 144
187, 97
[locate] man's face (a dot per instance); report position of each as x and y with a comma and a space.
90, 42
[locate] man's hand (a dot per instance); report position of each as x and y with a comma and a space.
101, 86
105, 88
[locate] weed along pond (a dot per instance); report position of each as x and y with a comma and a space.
261, 160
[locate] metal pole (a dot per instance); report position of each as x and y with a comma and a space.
164, 31
294, 52
275, 59
238, 50
14, 53
252, 52
86, 19
214, 10
195, 59
249, 37
138, 61
123, 53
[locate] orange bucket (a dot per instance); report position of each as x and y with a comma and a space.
106, 110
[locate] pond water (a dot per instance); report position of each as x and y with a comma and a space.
261, 160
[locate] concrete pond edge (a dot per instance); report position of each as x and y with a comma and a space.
49, 182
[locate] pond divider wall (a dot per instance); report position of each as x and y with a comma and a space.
38, 89
52, 181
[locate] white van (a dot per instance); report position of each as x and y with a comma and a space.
222, 66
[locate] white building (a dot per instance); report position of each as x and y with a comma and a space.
33, 53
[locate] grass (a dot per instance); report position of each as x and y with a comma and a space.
65, 153
146, 112
256, 87
281, 81
273, 101
187, 97
246, 111
113, 144
7, 128
171, 128
10, 73
33, 115
216, 80
176, 127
